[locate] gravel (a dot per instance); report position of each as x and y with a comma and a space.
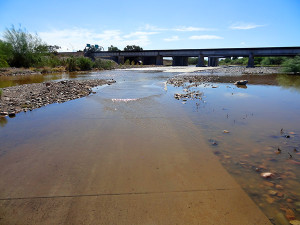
31, 96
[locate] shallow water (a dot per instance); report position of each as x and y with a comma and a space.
258, 118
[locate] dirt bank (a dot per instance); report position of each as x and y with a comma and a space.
31, 96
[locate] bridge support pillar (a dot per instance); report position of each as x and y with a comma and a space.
149, 60
121, 59
159, 60
200, 61
180, 61
250, 61
213, 61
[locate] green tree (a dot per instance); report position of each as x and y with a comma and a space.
133, 48
27, 49
113, 49
268, 61
291, 65
6, 53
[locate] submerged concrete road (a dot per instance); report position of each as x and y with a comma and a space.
130, 169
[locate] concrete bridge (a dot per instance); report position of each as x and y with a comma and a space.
180, 56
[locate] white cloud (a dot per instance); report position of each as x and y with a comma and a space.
139, 34
185, 29
205, 37
238, 95
244, 26
173, 38
180, 29
77, 38
152, 28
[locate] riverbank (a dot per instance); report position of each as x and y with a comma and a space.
234, 70
31, 96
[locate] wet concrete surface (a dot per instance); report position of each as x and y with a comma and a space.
98, 161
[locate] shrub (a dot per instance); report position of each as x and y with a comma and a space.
268, 61
71, 64
291, 65
104, 64
84, 63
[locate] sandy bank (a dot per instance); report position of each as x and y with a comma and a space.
236, 70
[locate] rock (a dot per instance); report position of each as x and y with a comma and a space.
241, 82
270, 200
272, 192
295, 222
269, 184
3, 113
280, 194
266, 175
289, 214
278, 186
12, 114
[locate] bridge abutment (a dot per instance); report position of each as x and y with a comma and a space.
180, 61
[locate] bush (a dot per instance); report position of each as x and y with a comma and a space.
71, 64
104, 64
84, 63
291, 65
269, 61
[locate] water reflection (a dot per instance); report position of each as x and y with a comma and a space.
8, 81
3, 121
289, 81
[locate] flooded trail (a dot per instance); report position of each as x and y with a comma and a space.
126, 155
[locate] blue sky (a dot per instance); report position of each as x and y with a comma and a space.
157, 24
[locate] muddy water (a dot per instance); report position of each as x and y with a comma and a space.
260, 119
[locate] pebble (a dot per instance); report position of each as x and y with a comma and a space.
269, 184
270, 200
278, 186
280, 194
266, 175
272, 192
289, 214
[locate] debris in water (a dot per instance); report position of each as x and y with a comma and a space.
226, 131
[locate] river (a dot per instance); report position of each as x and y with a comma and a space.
137, 127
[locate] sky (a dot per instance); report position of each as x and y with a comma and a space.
156, 24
